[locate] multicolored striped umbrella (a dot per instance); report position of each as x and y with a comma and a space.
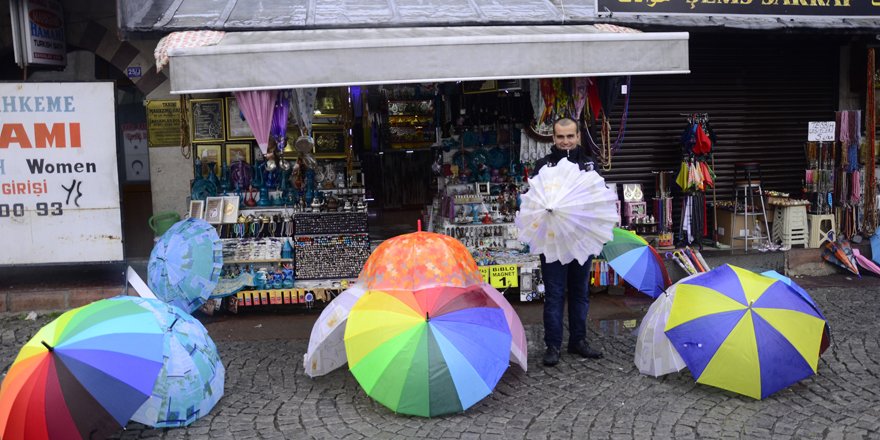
185, 264
636, 262
192, 377
419, 260
427, 353
84, 374
744, 332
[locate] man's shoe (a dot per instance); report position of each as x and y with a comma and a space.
551, 356
582, 348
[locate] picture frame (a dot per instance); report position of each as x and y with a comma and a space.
214, 210
329, 102
329, 142
235, 151
237, 128
230, 209
470, 87
482, 188
196, 208
207, 154
206, 120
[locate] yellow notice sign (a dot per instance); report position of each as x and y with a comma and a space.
484, 271
503, 276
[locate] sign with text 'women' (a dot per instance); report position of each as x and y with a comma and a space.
59, 187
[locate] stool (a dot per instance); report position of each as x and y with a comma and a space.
747, 182
822, 229
790, 225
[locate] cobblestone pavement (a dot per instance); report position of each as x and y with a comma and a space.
269, 397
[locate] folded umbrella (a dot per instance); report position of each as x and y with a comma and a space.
192, 378
84, 374
744, 332
185, 264
427, 353
637, 262
567, 214
865, 262
840, 253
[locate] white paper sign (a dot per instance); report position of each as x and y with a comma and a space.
59, 184
822, 131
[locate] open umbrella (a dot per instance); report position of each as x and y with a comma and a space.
419, 260
655, 355
744, 332
192, 377
427, 353
185, 264
840, 254
567, 214
326, 350
84, 374
826, 334
636, 262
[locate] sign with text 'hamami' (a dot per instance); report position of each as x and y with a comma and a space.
59, 186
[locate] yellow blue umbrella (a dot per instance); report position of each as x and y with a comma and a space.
744, 332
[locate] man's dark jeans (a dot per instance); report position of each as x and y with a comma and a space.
557, 277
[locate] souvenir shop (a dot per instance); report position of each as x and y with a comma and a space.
292, 207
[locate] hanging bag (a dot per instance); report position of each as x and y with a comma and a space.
703, 144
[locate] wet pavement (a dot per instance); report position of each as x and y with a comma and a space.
269, 397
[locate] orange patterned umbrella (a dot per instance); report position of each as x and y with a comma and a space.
419, 260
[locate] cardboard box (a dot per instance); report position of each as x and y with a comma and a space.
730, 226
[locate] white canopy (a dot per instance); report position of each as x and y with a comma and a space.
338, 57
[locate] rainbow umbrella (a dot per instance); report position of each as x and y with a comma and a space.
427, 353
744, 332
185, 264
84, 374
636, 262
419, 260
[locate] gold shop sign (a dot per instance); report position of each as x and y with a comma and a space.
163, 123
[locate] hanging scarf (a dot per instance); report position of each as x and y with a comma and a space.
549, 96
580, 96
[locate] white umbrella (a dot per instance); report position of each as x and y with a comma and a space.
326, 345
655, 355
567, 214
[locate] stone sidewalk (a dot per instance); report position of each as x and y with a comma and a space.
269, 397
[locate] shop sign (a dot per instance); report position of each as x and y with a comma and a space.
38, 31
824, 8
163, 123
501, 276
59, 184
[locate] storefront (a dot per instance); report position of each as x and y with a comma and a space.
442, 105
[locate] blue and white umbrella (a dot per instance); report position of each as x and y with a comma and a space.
192, 377
185, 264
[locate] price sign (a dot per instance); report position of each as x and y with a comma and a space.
822, 131
501, 276
484, 271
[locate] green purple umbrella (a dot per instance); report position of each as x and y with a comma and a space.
185, 264
427, 352
636, 262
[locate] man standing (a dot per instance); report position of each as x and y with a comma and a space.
573, 276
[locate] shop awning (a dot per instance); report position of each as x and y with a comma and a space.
336, 57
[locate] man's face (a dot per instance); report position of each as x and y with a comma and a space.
566, 137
